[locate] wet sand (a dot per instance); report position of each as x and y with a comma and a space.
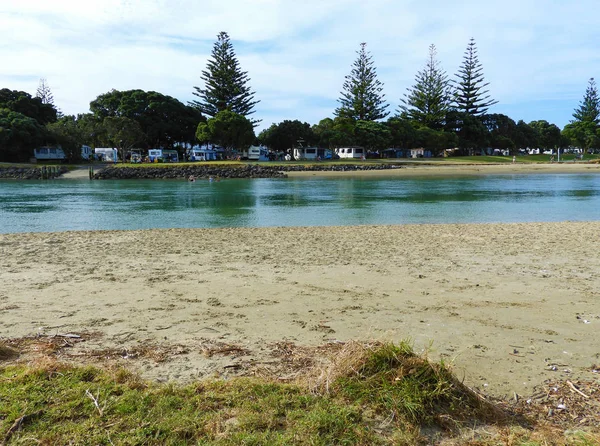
509, 305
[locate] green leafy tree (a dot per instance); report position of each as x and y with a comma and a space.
471, 132
344, 130
164, 120
227, 129
92, 129
69, 135
362, 98
548, 135
403, 132
526, 136
428, 101
19, 135
589, 107
225, 84
123, 133
372, 135
22, 102
286, 135
323, 132
336, 132
434, 140
583, 134
502, 131
470, 94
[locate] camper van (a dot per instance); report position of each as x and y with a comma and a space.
351, 152
107, 155
86, 153
58, 154
163, 156
203, 154
305, 153
255, 153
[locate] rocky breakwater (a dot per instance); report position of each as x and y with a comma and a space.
32, 173
337, 167
232, 171
197, 171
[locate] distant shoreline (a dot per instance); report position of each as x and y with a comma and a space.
460, 169
330, 170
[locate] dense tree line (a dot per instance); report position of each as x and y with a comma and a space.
436, 113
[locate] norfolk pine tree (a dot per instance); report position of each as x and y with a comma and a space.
225, 84
428, 101
584, 130
361, 98
589, 107
470, 96
44, 93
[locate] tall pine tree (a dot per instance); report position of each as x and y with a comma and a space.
470, 96
429, 99
44, 93
225, 84
589, 107
361, 96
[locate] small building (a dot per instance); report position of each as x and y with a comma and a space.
49, 153
351, 152
420, 153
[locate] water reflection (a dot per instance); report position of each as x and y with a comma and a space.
71, 205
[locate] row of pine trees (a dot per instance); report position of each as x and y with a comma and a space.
434, 103
362, 98
427, 101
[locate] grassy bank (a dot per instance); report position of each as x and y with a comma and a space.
369, 395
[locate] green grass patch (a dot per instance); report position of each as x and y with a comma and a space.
382, 394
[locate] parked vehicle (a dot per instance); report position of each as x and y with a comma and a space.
107, 155
86, 152
163, 156
56, 153
305, 153
351, 152
203, 154
255, 153
135, 156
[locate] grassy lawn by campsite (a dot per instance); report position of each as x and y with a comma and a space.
379, 394
528, 159
567, 158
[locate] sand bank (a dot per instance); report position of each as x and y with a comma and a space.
418, 169
509, 305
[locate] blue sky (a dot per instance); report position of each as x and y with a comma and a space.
537, 55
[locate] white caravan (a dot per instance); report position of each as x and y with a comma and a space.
351, 152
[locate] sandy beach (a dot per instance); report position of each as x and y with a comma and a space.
507, 305
419, 168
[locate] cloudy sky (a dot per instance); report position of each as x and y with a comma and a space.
537, 54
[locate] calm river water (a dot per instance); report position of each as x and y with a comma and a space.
60, 205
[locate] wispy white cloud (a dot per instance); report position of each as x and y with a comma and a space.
536, 54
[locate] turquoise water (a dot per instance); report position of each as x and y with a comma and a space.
60, 205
